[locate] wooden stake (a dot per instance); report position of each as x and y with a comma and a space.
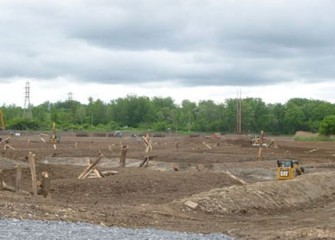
260, 150
260, 153
31, 159
18, 179
124, 149
45, 184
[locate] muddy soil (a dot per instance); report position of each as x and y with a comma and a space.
184, 169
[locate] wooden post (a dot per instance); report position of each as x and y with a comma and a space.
18, 178
45, 184
147, 142
31, 158
260, 150
124, 149
145, 162
148, 149
1, 179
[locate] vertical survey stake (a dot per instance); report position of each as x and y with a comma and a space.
31, 159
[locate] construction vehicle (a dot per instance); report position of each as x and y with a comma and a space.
288, 169
54, 138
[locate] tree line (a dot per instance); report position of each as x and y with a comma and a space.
163, 114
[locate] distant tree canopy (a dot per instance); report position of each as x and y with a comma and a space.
327, 125
161, 114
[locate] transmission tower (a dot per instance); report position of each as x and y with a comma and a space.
27, 110
27, 96
70, 96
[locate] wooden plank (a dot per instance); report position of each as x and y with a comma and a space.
8, 146
109, 172
204, 143
97, 173
236, 178
7, 187
87, 173
6, 139
90, 167
86, 169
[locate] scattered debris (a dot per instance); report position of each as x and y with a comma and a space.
191, 204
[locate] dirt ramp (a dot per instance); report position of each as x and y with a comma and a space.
265, 196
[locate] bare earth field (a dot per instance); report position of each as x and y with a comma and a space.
195, 172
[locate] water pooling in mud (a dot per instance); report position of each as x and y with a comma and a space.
31, 229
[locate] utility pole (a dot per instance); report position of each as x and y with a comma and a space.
239, 112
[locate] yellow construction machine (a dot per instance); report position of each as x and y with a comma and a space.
54, 138
2, 121
288, 169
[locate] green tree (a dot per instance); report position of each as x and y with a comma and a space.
229, 115
187, 114
275, 123
293, 118
327, 126
207, 116
23, 124
132, 111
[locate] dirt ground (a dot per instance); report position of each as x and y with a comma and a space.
195, 172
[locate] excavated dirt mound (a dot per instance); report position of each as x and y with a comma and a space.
300, 192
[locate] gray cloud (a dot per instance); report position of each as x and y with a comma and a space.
194, 43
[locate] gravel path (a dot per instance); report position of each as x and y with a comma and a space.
34, 230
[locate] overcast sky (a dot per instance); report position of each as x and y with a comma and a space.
185, 49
